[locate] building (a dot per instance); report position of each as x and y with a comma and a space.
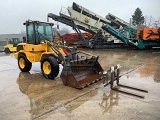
5, 38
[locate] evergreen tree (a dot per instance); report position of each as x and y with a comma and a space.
137, 17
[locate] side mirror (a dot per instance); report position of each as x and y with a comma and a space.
24, 39
27, 23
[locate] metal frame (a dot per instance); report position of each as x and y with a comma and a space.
113, 74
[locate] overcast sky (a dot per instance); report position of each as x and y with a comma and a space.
14, 12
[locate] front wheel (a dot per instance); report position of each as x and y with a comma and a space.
49, 67
24, 64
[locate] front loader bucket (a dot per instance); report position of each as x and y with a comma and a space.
82, 72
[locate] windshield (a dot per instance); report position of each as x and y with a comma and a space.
43, 32
14, 41
37, 32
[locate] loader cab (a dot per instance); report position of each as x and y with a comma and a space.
37, 32
14, 41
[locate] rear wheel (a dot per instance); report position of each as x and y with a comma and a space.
50, 67
24, 64
6, 50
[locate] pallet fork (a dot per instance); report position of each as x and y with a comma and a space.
113, 74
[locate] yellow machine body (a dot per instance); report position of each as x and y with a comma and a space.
34, 53
9, 48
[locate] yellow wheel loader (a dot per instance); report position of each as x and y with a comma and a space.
79, 68
11, 46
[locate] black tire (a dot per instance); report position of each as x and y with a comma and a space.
7, 51
49, 67
24, 64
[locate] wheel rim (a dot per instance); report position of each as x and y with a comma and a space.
21, 63
46, 67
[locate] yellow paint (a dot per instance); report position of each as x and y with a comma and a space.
21, 63
34, 53
10, 47
46, 67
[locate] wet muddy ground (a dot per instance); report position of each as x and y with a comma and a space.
26, 96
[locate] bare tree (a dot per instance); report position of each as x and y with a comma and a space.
156, 24
151, 22
60, 31
64, 31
